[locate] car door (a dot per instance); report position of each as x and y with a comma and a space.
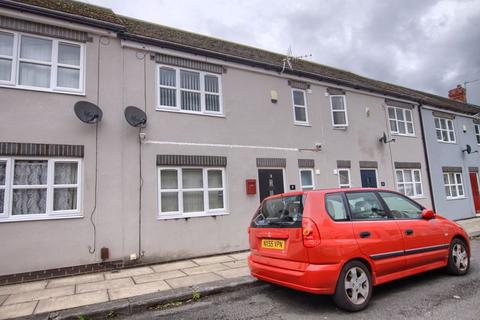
377, 233
425, 241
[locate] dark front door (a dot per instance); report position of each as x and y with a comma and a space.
369, 178
475, 191
270, 182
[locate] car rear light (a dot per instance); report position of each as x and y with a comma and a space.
311, 236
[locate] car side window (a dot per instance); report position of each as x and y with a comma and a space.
400, 207
365, 206
336, 207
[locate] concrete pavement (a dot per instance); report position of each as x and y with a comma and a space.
472, 226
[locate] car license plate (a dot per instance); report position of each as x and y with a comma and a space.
273, 244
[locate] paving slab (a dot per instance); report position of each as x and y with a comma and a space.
158, 276
234, 273
61, 282
205, 269
39, 294
193, 280
125, 273
138, 290
236, 264
174, 266
103, 285
240, 255
67, 302
212, 260
471, 226
17, 310
16, 288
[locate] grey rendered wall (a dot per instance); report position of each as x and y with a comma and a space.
447, 154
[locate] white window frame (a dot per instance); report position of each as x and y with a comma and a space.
344, 185
345, 110
454, 183
447, 130
413, 182
405, 121
50, 186
307, 187
54, 65
178, 107
477, 133
205, 189
295, 121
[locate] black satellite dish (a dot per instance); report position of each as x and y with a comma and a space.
135, 117
88, 112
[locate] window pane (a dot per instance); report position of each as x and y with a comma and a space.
399, 114
215, 199
167, 77
443, 124
445, 178
2, 200
192, 178
339, 118
36, 49
5, 69
408, 175
190, 101
338, 103
300, 114
3, 170
307, 179
211, 84
452, 136
418, 189
30, 172
169, 201
168, 97
477, 129
29, 201
408, 115
460, 190
401, 188
439, 135
298, 98
416, 176
399, 176
458, 177
215, 179
409, 189
344, 178
69, 54
400, 207
168, 179
365, 206
444, 136
189, 80
34, 75
391, 113
450, 125
6, 44
401, 127
335, 206
393, 126
409, 128
193, 201
437, 123
447, 191
65, 199
68, 78
212, 102
65, 173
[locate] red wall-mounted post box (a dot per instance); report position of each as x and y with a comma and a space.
251, 186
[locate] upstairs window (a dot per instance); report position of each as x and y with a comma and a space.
477, 133
339, 111
40, 63
445, 130
401, 121
188, 91
300, 115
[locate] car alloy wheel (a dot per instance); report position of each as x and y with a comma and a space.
357, 285
460, 256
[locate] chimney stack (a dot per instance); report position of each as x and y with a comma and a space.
458, 93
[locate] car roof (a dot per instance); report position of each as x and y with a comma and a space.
324, 191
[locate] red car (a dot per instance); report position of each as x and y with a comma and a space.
342, 242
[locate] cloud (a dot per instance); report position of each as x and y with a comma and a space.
429, 45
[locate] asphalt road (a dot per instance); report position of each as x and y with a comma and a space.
432, 295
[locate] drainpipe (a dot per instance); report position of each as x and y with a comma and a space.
427, 164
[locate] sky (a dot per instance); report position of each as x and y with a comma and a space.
428, 45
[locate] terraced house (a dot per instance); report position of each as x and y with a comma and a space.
226, 127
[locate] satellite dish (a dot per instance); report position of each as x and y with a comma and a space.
468, 149
88, 112
135, 117
383, 138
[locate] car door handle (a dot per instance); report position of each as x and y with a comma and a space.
365, 234
409, 232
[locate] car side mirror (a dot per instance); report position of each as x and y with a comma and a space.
428, 214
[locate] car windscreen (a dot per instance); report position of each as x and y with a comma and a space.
283, 212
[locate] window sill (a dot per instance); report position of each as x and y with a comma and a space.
343, 128
32, 218
45, 90
403, 135
301, 124
457, 198
177, 216
446, 142
191, 113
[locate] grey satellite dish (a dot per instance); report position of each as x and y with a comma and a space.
135, 117
88, 112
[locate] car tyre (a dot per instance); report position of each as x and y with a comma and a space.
458, 259
354, 287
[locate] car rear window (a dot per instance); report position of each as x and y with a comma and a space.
284, 212
336, 207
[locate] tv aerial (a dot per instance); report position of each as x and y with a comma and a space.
135, 117
287, 61
88, 112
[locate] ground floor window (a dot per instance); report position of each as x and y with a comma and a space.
186, 192
34, 188
409, 182
453, 185
344, 178
306, 179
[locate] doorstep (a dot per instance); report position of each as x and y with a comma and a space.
126, 288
